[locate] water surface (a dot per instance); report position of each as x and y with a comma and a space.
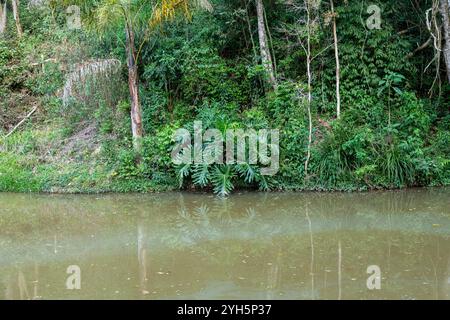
249, 246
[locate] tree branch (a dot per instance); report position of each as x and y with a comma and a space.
23, 120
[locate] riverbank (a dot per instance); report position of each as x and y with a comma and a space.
45, 161
52, 161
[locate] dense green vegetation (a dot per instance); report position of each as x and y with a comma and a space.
393, 130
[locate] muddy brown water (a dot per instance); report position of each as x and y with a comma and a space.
248, 246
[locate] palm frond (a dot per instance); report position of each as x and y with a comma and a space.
166, 10
108, 13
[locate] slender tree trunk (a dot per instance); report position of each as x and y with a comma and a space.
247, 18
274, 60
445, 12
263, 45
3, 17
338, 65
308, 68
133, 84
15, 5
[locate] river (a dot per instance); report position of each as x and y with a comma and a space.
376, 245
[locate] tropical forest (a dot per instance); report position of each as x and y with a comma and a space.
91, 93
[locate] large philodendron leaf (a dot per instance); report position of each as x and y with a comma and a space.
201, 175
222, 180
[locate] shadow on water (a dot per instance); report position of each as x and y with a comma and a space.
248, 246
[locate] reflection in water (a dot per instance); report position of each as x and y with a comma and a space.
311, 238
249, 246
16, 285
339, 269
142, 259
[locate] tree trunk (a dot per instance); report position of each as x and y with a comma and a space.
263, 45
308, 70
445, 12
15, 5
3, 18
338, 65
133, 84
